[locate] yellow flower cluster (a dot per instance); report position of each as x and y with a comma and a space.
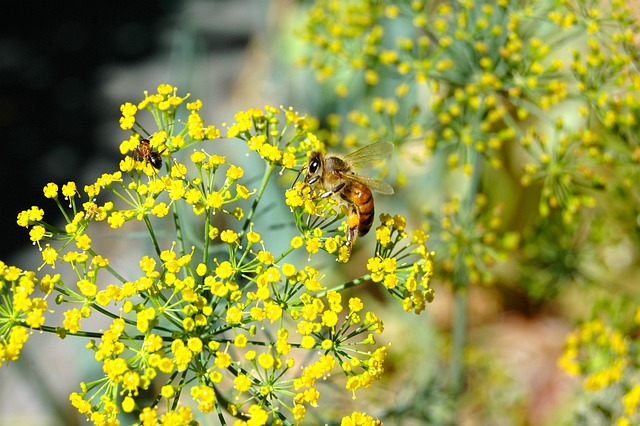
552, 84
403, 267
317, 219
21, 311
217, 315
465, 51
603, 357
474, 78
469, 235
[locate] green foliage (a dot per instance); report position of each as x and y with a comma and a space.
516, 129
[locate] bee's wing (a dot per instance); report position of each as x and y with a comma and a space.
373, 184
369, 154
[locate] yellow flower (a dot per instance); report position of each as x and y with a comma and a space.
331, 245
371, 77
329, 319
71, 321
240, 341
128, 109
222, 360
213, 232
266, 360
242, 383
160, 209
258, 416
383, 235
193, 196
49, 255
391, 281
51, 190
288, 270
273, 311
267, 258
235, 172
293, 198
201, 269
205, 396
176, 189
224, 270
195, 105
355, 304
631, 400
289, 160
359, 419
195, 345
215, 200
238, 213
198, 157
178, 170
83, 242
116, 219
313, 245
229, 236
37, 233
243, 192
253, 237
34, 214
165, 89
153, 343
69, 190
216, 160
234, 315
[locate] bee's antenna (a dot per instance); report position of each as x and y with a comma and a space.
297, 177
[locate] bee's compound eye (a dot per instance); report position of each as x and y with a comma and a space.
314, 165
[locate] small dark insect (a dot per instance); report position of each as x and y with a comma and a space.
146, 152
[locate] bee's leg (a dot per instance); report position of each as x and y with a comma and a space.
335, 190
353, 223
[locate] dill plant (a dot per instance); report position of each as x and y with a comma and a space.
516, 128
210, 321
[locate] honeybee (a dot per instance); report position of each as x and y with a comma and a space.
334, 173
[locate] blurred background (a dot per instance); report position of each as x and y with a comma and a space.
65, 69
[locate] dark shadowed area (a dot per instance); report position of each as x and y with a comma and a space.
51, 58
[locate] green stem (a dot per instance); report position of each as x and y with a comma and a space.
179, 236
205, 246
459, 341
62, 209
152, 234
50, 329
263, 185
349, 284
461, 302
108, 268
283, 255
